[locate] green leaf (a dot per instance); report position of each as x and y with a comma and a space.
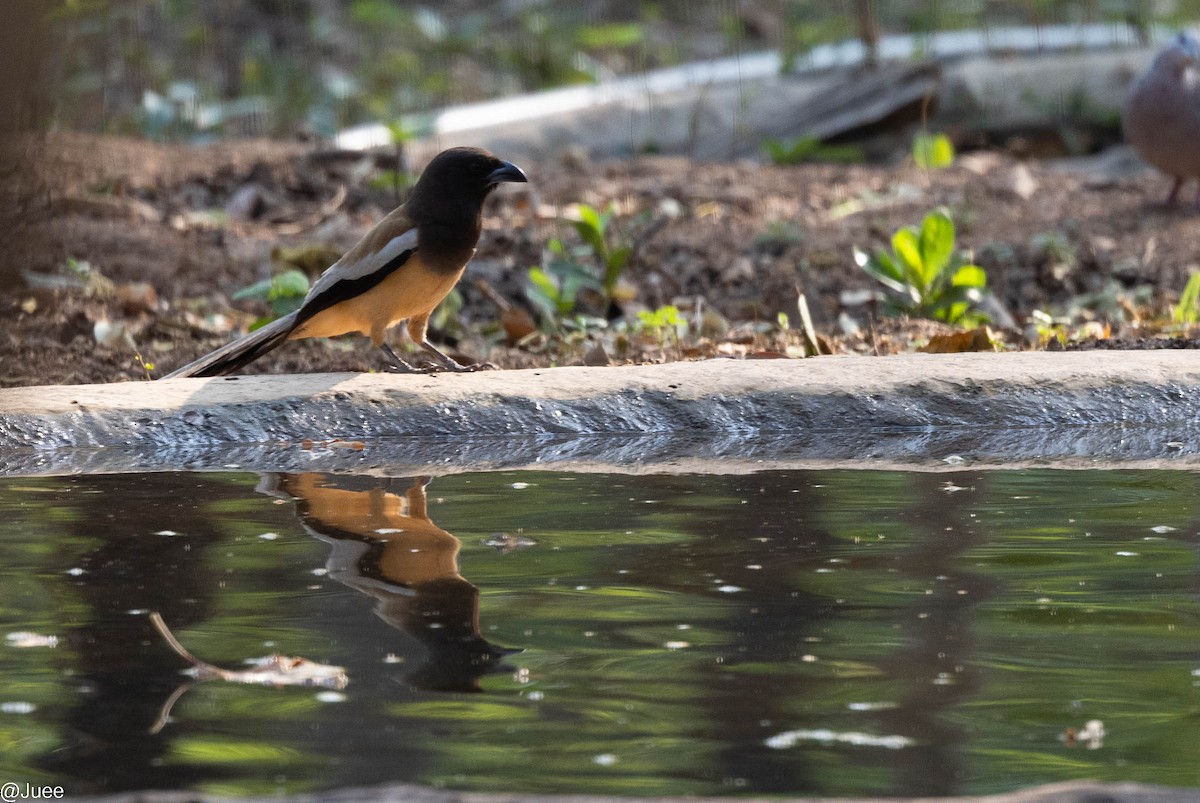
615, 265
289, 284
542, 292
937, 244
1187, 311
649, 319
542, 281
970, 276
591, 226
256, 290
287, 292
932, 151
907, 247
790, 152
883, 268
610, 35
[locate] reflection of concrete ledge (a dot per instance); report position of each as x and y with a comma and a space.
1081, 409
1072, 792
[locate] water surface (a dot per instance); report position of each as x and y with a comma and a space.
802, 632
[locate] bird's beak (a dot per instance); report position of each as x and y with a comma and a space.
507, 171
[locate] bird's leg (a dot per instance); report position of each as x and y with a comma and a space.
449, 364
399, 365
418, 328
1173, 195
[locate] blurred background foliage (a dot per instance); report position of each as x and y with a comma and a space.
172, 68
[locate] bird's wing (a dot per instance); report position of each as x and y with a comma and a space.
373, 253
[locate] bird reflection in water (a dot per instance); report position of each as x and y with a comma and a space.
384, 544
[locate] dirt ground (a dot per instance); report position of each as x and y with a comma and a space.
170, 233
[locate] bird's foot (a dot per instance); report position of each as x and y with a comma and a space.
458, 368
448, 363
405, 368
396, 364
478, 366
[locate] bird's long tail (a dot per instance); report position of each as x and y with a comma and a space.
240, 352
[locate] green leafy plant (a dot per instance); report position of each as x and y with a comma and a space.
593, 228
595, 266
928, 279
665, 326
554, 290
402, 135
661, 321
811, 149
284, 292
931, 151
1187, 311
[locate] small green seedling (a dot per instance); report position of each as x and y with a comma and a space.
554, 290
661, 320
664, 324
594, 266
932, 151
928, 279
1187, 311
399, 179
810, 149
592, 227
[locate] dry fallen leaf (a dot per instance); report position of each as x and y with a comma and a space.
977, 339
518, 324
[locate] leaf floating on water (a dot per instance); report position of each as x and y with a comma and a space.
272, 670
1091, 735
507, 542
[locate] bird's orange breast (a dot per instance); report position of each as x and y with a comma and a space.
410, 291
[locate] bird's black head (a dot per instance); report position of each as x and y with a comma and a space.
447, 202
470, 173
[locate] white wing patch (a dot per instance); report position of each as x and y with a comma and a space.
343, 271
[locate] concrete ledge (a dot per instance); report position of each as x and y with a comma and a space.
1081, 408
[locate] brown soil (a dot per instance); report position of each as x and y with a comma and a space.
736, 239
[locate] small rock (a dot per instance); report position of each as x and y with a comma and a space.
740, 269
1020, 182
247, 203
596, 355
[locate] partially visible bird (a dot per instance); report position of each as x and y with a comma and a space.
1161, 113
400, 270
